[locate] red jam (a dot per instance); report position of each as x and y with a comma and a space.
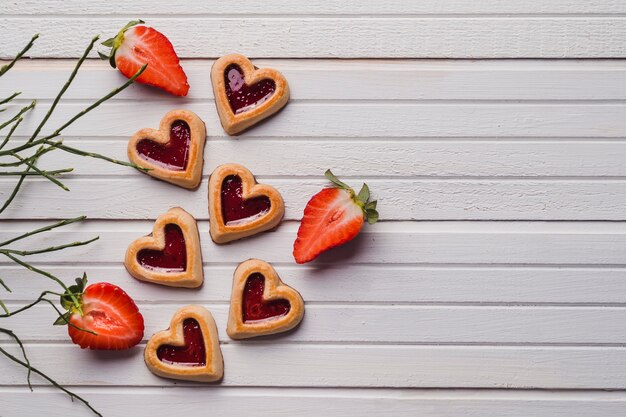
174, 154
192, 354
173, 258
254, 308
243, 97
236, 210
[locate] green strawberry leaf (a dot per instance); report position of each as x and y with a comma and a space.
62, 319
332, 178
108, 42
371, 215
364, 194
103, 57
371, 205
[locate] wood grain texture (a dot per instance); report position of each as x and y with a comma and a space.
415, 199
377, 284
350, 37
311, 402
337, 365
496, 282
554, 243
359, 119
315, 7
326, 79
384, 324
401, 159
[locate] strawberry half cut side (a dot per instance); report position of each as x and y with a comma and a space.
331, 218
135, 46
101, 316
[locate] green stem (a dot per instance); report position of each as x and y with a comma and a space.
44, 299
20, 148
45, 173
31, 165
5, 285
50, 249
50, 380
97, 103
22, 161
75, 151
20, 54
19, 342
44, 229
6, 139
19, 114
16, 189
63, 89
11, 97
45, 274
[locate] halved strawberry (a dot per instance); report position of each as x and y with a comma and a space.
102, 316
135, 46
332, 217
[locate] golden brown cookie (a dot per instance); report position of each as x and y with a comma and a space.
238, 206
189, 349
174, 153
260, 303
170, 255
244, 94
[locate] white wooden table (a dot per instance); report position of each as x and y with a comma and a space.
495, 284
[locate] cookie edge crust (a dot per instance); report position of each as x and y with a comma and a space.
236, 327
191, 176
222, 233
212, 371
237, 123
193, 277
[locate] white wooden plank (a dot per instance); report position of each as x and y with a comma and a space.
139, 196
553, 243
379, 157
355, 119
315, 7
311, 402
352, 37
365, 283
314, 79
272, 364
389, 324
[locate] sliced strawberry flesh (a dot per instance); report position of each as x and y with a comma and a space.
144, 45
331, 218
109, 312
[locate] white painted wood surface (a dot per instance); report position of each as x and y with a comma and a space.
495, 284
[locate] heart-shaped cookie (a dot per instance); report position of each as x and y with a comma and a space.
171, 254
244, 94
260, 303
174, 153
189, 349
238, 206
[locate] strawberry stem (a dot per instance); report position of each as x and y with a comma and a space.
30, 368
361, 199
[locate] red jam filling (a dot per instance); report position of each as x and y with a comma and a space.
174, 154
236, 210
173, 258
192, 354
254, 308
243, 97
